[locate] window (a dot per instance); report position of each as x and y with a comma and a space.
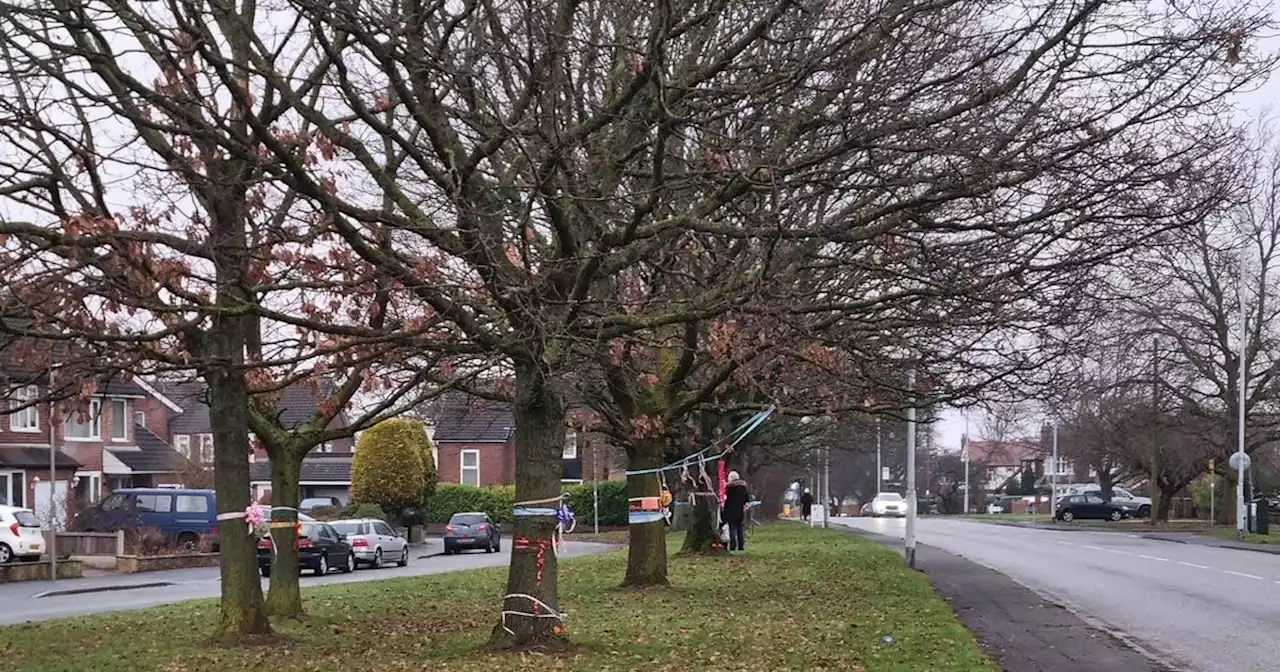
325, 447
206, 448
193, 504
115, 502
13, 488
119, 482
1061, 467
140, 418
571, 445
27, 419
85, 426
182, 444
470, 468
119, 420
382, 528
1093, 499
155, 503
88, 488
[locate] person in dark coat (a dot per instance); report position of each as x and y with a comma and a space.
806, 505
735, 511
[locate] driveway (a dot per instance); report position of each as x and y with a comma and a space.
27, 601
1198, 608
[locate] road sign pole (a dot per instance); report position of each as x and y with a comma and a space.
909, 539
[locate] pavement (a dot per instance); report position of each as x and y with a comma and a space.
42, 600
1202, 540
1187, 606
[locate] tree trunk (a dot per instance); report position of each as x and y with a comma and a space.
540, 431
1163, 501
1226, 493
647, 554
703, 537
284, 595
242, 610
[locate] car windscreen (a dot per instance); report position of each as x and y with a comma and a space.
466, 519
26, 519
346, 529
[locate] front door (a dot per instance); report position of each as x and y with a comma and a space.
51, 511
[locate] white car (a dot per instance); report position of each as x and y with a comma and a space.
373, 542
888, 504
20, 535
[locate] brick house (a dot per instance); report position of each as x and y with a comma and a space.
473, 442
100, 444
326, 472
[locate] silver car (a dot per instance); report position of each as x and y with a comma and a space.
373, 542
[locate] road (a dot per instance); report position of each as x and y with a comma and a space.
24, 602
1197, 608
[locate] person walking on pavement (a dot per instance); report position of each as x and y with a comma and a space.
806, 505
735, 511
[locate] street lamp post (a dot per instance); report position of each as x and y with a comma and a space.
965, 440
1053, 474
909, 539
1241, 512
879, 467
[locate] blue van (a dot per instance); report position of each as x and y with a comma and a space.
182, 515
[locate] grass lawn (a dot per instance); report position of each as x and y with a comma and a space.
800, 599
1229, 533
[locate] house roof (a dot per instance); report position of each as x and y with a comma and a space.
314, 469
298, 403
1002, 453
151, 455
465, 418
34, 458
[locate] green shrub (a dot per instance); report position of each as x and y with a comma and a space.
354, 510
451, 498
387, 468
613, 503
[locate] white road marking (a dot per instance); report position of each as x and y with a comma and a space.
1247, 576
1192, 564
1096, 548
1152, 557
1112, 550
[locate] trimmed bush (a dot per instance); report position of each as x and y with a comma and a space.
363, 511
613, 503
451, 498
387, 468
430, 478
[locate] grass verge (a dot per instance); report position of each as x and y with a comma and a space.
1229, 534
799, 599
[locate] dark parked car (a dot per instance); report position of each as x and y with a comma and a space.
312, 503
320, 548
1087, 506
472, 530
181, 515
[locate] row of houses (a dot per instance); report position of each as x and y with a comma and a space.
152, 434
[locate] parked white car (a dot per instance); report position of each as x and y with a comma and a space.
20, 535
373, 541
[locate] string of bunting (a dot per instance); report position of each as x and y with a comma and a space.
701, 458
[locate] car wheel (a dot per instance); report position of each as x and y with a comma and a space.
404, 557
188, 542
1116, 515
1144, 511
1067, 516
6, 554
377, 559
266, 572
323, 567
351, 563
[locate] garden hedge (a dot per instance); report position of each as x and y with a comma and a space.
451, 498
